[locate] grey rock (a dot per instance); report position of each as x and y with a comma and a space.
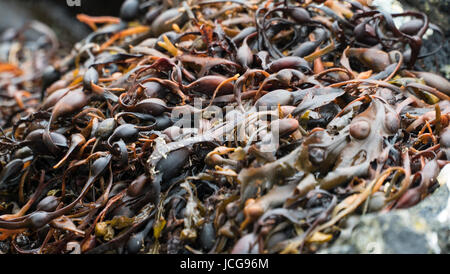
422, 229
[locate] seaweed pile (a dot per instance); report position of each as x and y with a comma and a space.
216, 127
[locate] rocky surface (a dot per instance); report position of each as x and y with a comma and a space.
422, 229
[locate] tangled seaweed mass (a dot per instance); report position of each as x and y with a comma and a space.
94, 157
